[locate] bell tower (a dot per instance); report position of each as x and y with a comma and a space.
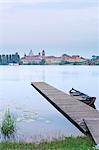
43, 54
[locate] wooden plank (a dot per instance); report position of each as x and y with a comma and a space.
71, 108
93, 127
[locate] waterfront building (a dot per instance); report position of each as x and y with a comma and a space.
66, 58
0, 59
70, 59
95, 59
33, 59
82, 59
16, 58
4, 59
41, 58
75, 58
53, 60
9, 59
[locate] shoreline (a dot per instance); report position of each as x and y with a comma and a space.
68, 143
49, 65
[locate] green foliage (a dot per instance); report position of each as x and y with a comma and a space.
65, 63
62, 63
97, 63
42, 62
79, 63
8, 125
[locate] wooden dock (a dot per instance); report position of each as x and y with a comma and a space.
84, 117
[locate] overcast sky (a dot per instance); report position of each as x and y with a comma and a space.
58, 26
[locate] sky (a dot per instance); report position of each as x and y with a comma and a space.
57, 26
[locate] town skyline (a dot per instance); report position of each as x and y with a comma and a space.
51, 52
42, 59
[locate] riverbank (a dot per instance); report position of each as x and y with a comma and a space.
69, 143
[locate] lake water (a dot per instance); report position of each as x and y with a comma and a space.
36, 119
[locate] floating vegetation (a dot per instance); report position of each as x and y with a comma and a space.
27, 116
8, 125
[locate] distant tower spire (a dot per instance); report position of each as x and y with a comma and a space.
43, 54
39, 54
31, 53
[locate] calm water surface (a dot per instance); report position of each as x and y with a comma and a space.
35, 117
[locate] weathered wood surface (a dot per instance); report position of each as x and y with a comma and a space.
71, 108
93, 127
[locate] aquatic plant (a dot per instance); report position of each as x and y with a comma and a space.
8, 126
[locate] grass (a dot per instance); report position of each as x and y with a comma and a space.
69, 143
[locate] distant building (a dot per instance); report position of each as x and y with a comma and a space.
95, 60
94, 57
53, 60
4, 60
41, 58
0, 59
82, 59
75, 58
68, 58
11, 58
33, 59
15, 58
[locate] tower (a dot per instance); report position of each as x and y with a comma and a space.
43, 54
30, 53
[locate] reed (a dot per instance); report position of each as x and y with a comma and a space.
8, 125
